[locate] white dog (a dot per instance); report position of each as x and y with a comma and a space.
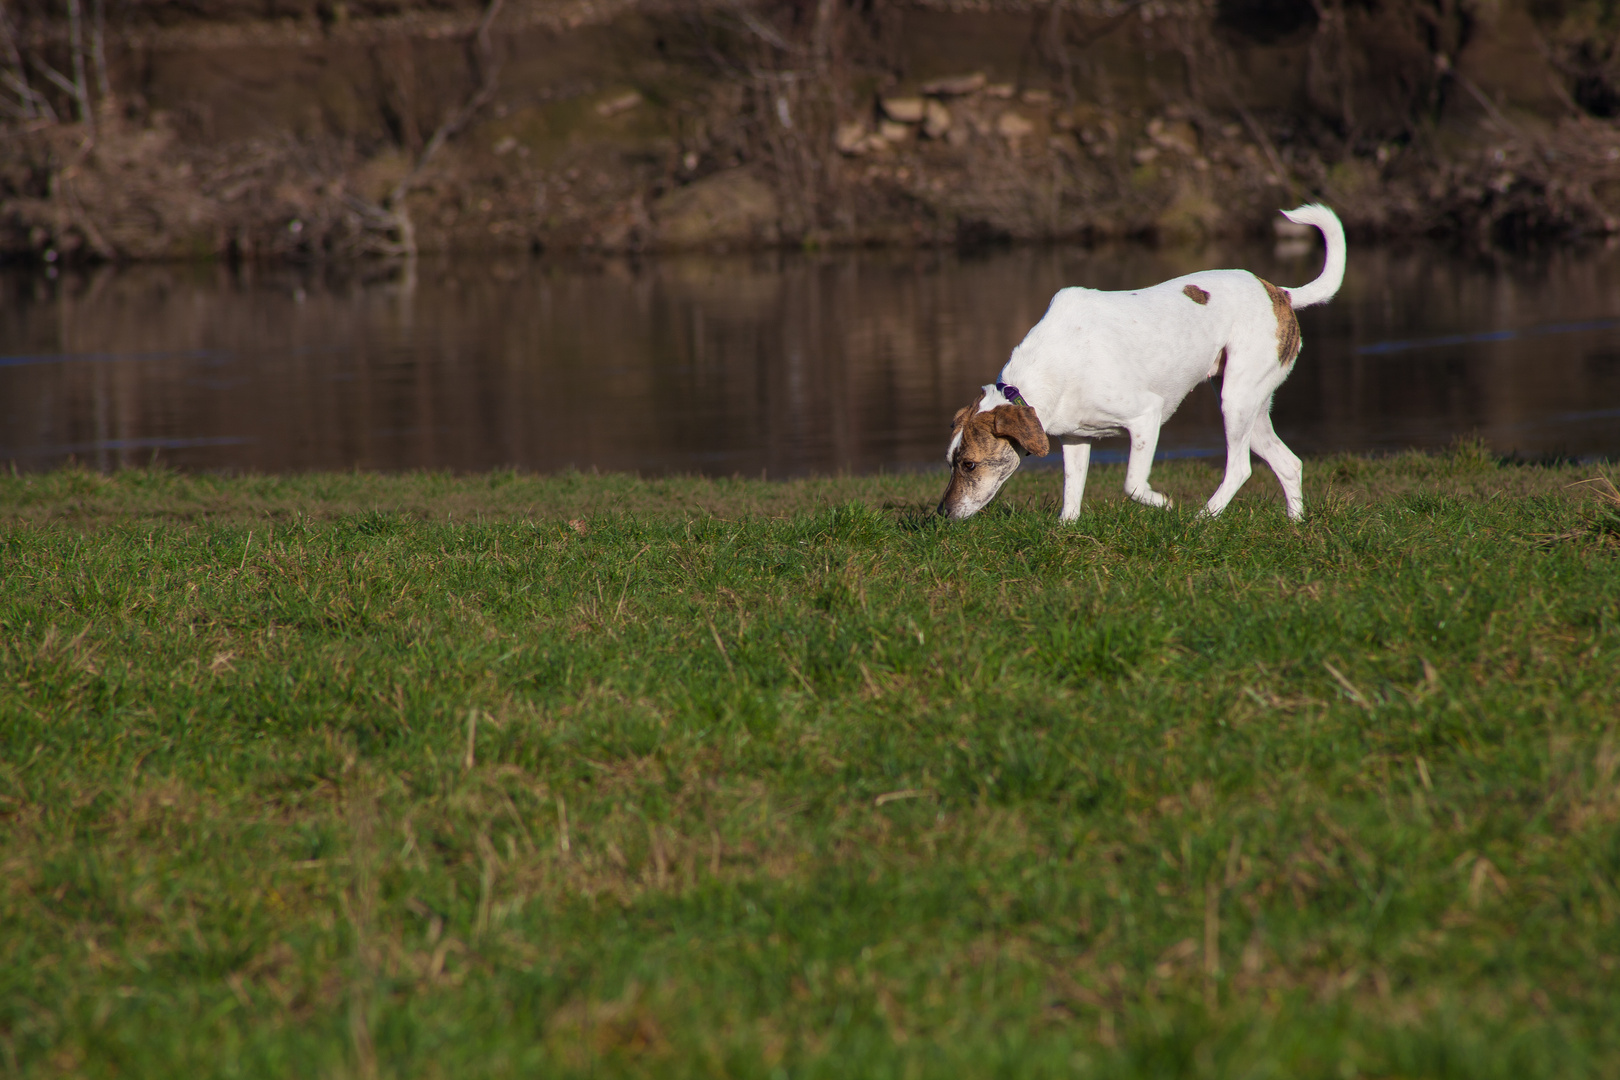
1106, 363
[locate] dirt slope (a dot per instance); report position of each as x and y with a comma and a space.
316, 129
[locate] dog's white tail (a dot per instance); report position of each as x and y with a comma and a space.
1327, 283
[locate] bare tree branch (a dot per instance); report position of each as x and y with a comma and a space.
764, 31
98, 49
81, 86
1283, 175
488, 71
15, 75
1443, 65
34, 106
460, 117
63, 83
1050, 40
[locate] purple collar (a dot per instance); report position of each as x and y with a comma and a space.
1011, 394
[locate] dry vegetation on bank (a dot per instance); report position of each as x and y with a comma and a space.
336, 129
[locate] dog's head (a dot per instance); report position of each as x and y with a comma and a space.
986, 447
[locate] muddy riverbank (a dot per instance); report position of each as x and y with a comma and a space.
324, 130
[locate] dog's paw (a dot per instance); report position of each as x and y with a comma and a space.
1153, 498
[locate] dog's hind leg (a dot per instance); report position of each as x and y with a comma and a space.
1282, 460
1144, 432
1240, 423
1076, 460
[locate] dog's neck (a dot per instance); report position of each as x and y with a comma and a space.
1011, 394
999, 393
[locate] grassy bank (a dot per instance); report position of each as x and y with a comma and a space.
501, 775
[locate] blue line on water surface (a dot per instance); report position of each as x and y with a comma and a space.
1485, 337
27, 360
123, 444
1577, 417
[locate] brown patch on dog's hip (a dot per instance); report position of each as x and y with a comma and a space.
1195, 294
1282, 306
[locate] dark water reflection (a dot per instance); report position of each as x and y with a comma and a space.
786, 364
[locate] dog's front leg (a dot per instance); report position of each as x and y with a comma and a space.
1144, 432
1076, 460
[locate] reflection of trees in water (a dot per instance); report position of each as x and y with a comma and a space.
1426, 393
780, 363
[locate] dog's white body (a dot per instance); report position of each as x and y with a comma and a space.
1109, 363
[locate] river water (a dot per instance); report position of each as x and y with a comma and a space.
774, 364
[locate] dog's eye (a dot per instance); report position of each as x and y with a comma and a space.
969, 466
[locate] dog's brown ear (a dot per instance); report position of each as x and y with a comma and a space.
1020, 424
966, 411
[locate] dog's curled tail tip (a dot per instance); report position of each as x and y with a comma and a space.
1326, 285
1308, 214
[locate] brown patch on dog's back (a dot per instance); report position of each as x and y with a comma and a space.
1195, 294
1282, 306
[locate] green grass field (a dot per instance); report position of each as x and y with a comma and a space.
500, 775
